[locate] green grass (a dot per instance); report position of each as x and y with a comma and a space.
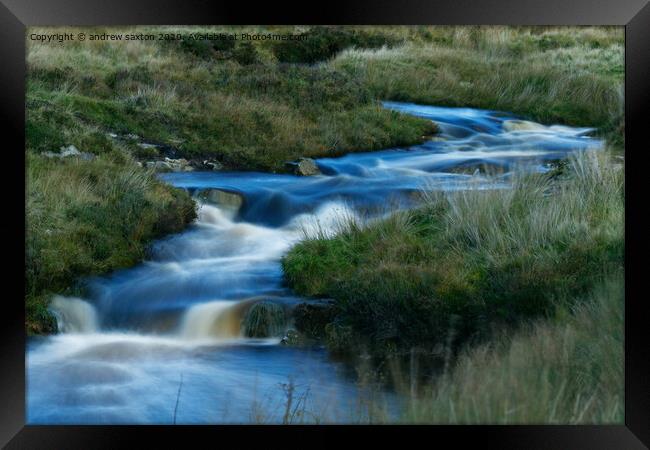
567, 370
90, 217
467, 261
237, 105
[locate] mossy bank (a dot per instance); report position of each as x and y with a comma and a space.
201, 99
90, 217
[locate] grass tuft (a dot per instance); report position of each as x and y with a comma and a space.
568, 370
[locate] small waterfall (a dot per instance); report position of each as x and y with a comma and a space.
74, 315
214, 215
220, 319
553, 130
228, 319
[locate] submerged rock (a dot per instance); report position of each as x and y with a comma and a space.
304, 167
222, 198
522, 125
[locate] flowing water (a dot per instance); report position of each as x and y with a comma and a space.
162, 342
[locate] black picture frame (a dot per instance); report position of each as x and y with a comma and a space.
16, 15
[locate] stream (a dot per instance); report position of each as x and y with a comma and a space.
161, 342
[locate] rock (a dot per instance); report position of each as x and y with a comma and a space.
179, 161
522, 125
212, 164
304, 167
178, 165
220, 197
158, 165
311, 317
169, 164
291, 337
68, 151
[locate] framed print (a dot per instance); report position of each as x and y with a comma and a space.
380, 219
